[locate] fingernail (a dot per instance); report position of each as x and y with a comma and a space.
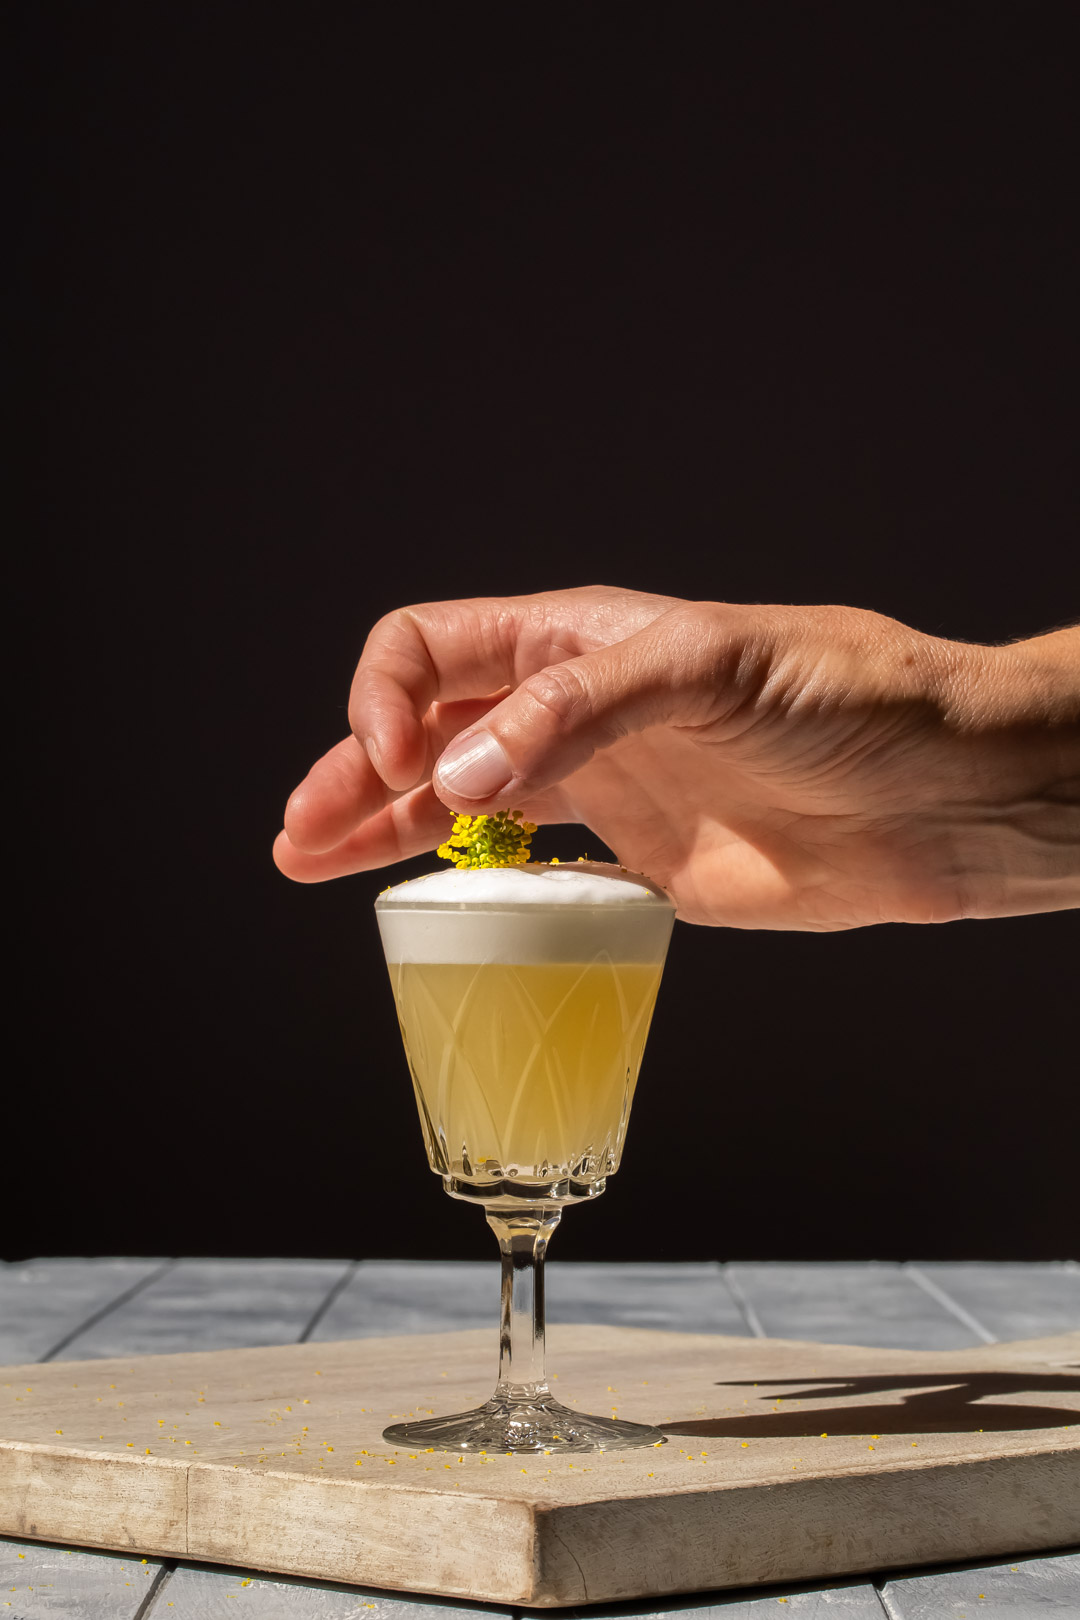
474, 766
371, 749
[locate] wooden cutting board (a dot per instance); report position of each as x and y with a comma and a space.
784, 1461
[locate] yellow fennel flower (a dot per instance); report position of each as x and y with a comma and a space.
498, 840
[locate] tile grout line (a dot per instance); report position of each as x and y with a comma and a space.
930, 1287
320, 1311
161, 1580
743, 1305
886, 1603
114, 1304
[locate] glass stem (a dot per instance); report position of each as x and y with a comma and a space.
523, 1238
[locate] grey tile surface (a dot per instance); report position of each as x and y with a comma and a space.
413, 1296
384, 1297
43, 1301
860, 1303
1016, 1301
42, 1582
200, 1592
1017, 1589
675, 1297
857, 1601
213, 1305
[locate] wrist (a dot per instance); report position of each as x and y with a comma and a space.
1015, 711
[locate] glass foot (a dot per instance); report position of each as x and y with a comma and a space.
518, 1426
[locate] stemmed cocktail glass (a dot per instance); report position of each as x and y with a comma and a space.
524, 996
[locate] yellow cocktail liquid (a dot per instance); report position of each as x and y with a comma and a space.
525, 1070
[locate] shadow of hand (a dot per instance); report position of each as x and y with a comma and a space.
949, 1403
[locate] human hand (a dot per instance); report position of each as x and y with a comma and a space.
772, 767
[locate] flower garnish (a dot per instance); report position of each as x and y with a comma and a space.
498, 840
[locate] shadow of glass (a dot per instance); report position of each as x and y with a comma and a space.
946, 1403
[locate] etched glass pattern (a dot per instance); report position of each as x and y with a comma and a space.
525, 1070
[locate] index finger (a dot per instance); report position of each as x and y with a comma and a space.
442, 652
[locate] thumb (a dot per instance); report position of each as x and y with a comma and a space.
671, 672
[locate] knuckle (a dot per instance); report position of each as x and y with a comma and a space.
388, 628
697, 635
559, 690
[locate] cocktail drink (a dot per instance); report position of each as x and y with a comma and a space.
524, 995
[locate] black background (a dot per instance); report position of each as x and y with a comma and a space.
332, 308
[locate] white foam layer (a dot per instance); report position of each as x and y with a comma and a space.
582, 884
526, 915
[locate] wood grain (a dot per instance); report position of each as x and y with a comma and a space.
272, 1458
